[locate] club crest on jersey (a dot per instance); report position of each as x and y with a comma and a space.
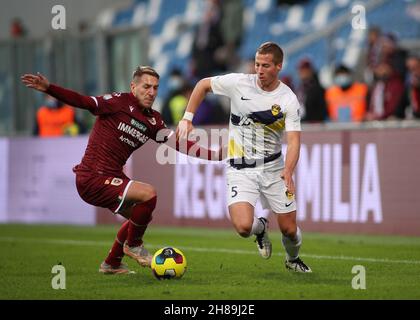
275, 109
131, 108
116, 182
152, 121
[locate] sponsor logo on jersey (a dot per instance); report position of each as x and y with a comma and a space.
131, 108
116, 94
116, 182
275, 109
245, 121
141, 126
240, 120
107, 96
129, 142
152, 121
133, 132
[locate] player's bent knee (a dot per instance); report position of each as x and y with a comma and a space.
243, 231
150, 193
289, 232
151, 202
140, 192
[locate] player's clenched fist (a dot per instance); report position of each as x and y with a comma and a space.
37, 82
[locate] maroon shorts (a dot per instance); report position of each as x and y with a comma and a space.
102, 190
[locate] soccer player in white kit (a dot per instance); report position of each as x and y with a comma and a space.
262, 108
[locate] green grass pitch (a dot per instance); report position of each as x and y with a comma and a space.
221, 265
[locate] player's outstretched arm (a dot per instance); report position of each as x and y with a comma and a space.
37, 82
72, 98
197, 96
192, 148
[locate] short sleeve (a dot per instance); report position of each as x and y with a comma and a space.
292, 120
225, 84
107, 104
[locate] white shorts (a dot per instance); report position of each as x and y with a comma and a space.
249, 184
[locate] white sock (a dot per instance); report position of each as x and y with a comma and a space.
257, 226
292, 246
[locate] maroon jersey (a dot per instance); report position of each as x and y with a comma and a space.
121, 127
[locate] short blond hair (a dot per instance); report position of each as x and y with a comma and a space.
274, 49
141, 70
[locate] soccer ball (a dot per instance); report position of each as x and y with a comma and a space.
169, 263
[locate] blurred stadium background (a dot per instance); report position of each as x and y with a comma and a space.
354, 176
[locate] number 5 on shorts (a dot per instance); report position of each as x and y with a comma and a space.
234, 192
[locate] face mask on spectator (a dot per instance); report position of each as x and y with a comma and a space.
343, 80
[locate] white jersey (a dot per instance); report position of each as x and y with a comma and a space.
257, 118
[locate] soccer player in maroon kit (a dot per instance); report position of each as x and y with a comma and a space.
125, 121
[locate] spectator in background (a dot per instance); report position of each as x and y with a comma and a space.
55, 119
208, 39
17, 29
410, 103
386, 93
373, 52
174, 108
310, 93
288, 81
392, 54
176, 83
346, 99
209, 111
383, 47
231, 28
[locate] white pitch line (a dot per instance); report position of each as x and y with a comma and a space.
197, 249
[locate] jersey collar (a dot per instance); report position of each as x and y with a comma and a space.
267, 93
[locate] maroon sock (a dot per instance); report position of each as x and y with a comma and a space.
140, 218
116, 253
